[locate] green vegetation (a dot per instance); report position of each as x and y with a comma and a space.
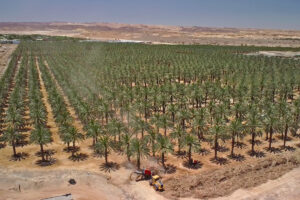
157, 99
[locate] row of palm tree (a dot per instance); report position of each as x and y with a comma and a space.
40, 134
13, 121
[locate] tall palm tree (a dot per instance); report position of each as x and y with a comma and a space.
164, 146
139, 148
40, 136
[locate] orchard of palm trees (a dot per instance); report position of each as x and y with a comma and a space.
141, 101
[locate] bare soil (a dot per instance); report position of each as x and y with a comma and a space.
222, 182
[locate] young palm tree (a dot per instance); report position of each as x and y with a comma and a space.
270, 122
126, 140
193, 144
94, 130
217, 131
40, 136
253, 124
140, 149
164, 146
234, 128
75, 136
151, 138
11, 135
104, 145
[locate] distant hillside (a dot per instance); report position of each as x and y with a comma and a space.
157, 34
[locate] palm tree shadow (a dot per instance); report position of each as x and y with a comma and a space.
194, 165
273, 150
237, 157
240, 145
219, 160
48, 152
70, 149
180, 154
222, 149
77, 157
170, 169
45, 163
19, 156
256, 142
288, 148
257, 154
204, 152
110, 166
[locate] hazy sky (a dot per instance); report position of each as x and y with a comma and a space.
281, 14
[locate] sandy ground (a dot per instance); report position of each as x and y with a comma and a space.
5, 52
287, 54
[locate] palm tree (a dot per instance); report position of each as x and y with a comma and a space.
140, 125
199, 123
75, 136
126, 140
140, 149
270, 122
234, 128
104, 145
11, 135
193, 144
151, 138
178, 133
253, 124
217, 130
94, 130
40, 136
164, 146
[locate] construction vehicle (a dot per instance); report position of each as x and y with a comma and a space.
156, 183
144, 174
